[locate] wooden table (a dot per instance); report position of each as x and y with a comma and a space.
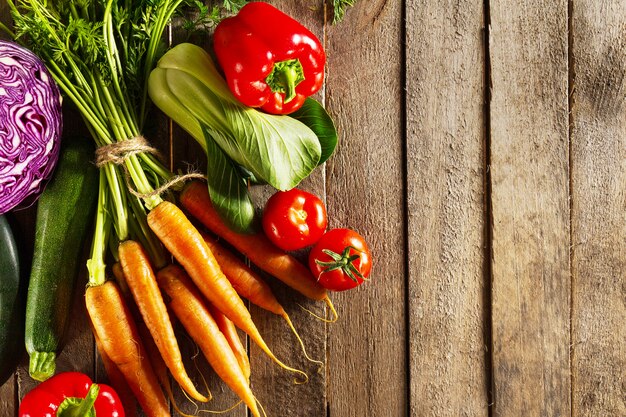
483, 156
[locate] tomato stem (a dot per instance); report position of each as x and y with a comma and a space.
343, 261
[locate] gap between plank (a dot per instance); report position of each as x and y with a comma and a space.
405, 207
488, 219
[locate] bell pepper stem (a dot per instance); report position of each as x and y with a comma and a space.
289, 76
83, 407
285, 77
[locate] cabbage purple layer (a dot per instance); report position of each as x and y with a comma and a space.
30, 126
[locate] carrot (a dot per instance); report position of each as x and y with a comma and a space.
250, 285
154, 356
142, 283
116, 329
184, 241
245, 281
117, 380
257, 247
228, 329
187, 304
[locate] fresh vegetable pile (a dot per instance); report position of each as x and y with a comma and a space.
147, 259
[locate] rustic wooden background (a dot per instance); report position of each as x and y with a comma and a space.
483, 156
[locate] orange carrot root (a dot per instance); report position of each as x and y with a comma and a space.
116, 329
142, 283
184, 241
154, 356
251, 286
117, 380
187, 304
245, 281
228, 329
257, 247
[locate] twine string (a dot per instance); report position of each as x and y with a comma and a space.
117, 153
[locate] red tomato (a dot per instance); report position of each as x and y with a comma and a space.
340, 260
294, 219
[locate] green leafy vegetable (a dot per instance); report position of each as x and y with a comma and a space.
279, 150
339, 9
208, 17
227, 188
319, 121
100, 53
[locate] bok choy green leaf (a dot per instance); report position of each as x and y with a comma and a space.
314, 115
227, 189
278, 150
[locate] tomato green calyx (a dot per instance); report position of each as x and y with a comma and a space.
285, 77
343, 261
80, 407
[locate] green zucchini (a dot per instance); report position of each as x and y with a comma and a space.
11, 306
64, 216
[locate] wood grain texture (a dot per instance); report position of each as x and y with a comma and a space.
367, 365
8, 395
599, 209
530, 208
446, 209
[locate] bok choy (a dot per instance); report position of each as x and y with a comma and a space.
278, 150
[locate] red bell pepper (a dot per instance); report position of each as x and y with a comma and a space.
270, 60
71, 394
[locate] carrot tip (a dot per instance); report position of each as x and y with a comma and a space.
295, 332
330, 305
231, 408
305, 376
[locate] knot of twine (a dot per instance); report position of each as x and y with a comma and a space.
117, 153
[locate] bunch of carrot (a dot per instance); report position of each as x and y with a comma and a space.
204, 290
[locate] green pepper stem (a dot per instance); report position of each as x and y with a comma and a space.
84, 407
289, 76
285, 77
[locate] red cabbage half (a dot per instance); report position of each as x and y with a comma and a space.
30, 126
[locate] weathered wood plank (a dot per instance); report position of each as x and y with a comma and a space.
8, 395
530, 206
446, 209
367, 368
598, 209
